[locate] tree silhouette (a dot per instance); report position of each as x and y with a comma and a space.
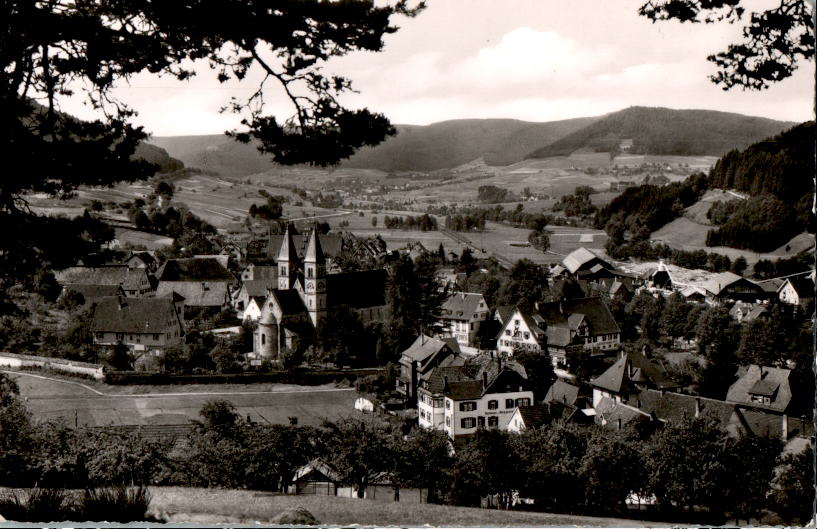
774, 40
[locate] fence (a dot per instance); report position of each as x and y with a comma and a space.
58, 365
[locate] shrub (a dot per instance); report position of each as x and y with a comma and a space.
36, 505
114, 504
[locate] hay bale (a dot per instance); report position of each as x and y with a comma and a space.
297, 516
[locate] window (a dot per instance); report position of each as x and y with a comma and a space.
155, 336
309, 272
263, 339
522, 402
448, 421
481, 421
508, 403
448, 405
468, 422
493, 422
527, 336
507, 332
493, 404
468, 406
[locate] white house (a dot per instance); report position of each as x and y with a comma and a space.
796, 290
462, 315
482, 394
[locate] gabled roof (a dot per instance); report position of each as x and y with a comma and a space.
802, 285
193, 269
129, 278
257, 287
609, 412
134, 315
463, 305
289, 301
196, 293
504, 313
561, 391
772, 382
94, 292
630, 369
535, 416
261, 272
719, 282
595, 313
472, 370
580, 257
316, 465
425, 347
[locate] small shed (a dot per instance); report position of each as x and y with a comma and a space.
315, 478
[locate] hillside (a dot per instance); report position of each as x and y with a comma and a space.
415, 148
448, 144
159, 156
666, 131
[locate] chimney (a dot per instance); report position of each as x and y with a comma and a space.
763, 373
121, 302
484, 379
445, 382
564, 399
697, 406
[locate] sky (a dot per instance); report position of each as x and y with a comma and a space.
533, 60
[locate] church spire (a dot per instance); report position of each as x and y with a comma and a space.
314, 252
315, 279
287, 261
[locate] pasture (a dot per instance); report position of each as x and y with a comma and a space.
101, 405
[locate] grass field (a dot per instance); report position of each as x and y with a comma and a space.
263, 403
207, 506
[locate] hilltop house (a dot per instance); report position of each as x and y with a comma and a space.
482, 393
417, 362
134, 281
140, 323
585, 322
204, 283
462, 315
797, 290
306, 293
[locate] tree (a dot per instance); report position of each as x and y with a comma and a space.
17, 434
612, 468
752, 459
358, 450
415, 298
673, 319
739, 265
775, 40
340, 334
57, 48
120, 357
539, 368
164, 189
793, 496
526, 286
715, 335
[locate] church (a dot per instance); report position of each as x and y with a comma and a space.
306, 293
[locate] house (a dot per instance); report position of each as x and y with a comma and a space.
417, 362
700, 285
306, 293
746, 312
144, 260
728, 286
252, 311
482, 393
93, 293
203, 282
582, 263
450, 279
797, 290
766, 388
257, 272
566, 393
462, 315
631, 373
140, 323
251, 288
315, 478
585, 322
134, 281
618, 415
538, 416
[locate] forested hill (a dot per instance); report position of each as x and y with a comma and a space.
451, 143
782, 166
157, 155
666, 131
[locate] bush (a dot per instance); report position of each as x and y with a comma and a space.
114, 504
36, 505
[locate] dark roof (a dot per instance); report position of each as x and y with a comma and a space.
261, 272
595, 312
424, 347
93, 292
535, 416
331, 245
205, 269
580, 257
102, 275
609, 412
761, 423
258, 287
289, 300
562, 392
630, 369
287, 250
359, 290
766, 382
197, 293
504, 312
465, 389
134, 315
472, 371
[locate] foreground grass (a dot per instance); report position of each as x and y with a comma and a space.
179, 505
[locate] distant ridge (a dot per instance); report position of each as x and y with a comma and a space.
665, 131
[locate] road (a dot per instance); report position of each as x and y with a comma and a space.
80, 404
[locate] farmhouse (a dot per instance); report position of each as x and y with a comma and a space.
631, 373
204, 282
482, 393
140, 323
134, 281
582, 263
706, 286
306, 293
585, 322
797, 290
93, 293
462, 315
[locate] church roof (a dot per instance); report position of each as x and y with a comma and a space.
287, 252
314, 252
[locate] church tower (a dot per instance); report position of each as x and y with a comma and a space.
287, 261
315, 279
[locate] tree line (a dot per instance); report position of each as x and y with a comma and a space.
424, 222
684, 467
